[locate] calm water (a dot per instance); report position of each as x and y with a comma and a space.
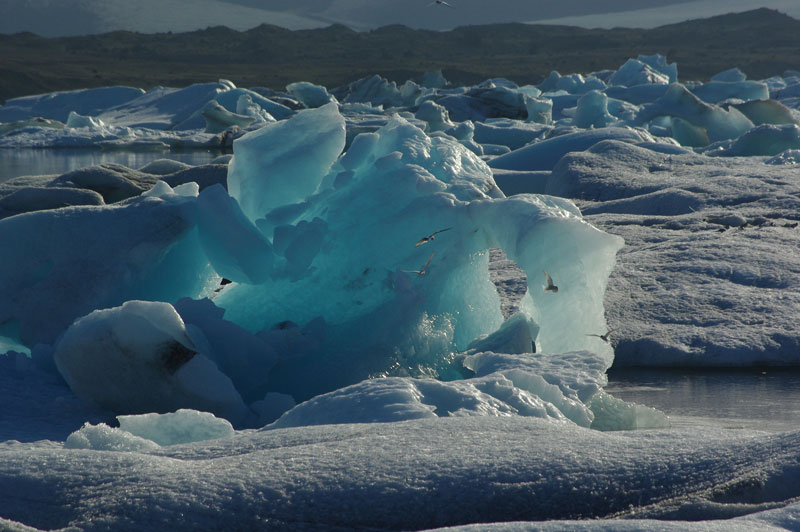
15, 163
748, 399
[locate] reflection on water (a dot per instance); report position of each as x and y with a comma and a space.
766, 400
15, 163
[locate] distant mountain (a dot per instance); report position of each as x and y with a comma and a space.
645, 15
56, 18
762, 43
420, 14
60, 18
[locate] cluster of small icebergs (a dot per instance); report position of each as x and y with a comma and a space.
336, 271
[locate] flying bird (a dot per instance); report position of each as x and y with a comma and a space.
440, 3
604, 337
422, 270
549, 287
430, 237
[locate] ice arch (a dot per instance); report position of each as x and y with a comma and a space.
348, 237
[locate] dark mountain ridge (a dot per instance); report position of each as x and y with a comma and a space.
761, 42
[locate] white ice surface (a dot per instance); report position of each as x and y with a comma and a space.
710, 274
409, 475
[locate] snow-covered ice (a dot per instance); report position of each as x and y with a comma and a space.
353, 323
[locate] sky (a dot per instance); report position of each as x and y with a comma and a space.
80, 17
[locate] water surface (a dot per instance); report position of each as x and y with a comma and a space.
19, 162
757, 399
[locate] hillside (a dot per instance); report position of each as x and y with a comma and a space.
761, 42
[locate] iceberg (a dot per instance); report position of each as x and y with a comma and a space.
679, 102
636, 72
96, 257
58, 105
400, 185
545, 154
309, 94
139, 358
762, 140
320, 290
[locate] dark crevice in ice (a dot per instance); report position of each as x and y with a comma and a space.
510, 280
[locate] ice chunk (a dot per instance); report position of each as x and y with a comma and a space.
375, 90
271, 407
75, 120
345, 244
483, 102
138, 358
247, 107
506, 132
237, 100
766, 112
638, 94
262, 179
545, 154
611, 413
659, 63
571, 83
205, 176
732, 75
718, 91
164, 167
71, 261
789, 157
236, 248
678, 101
244, 357
556, 387
101, 437
165, 108
688, 134
219, 119
434, 79
181, 426
540, 110
58, 105
435, 115
309, 94
636, 72
30, 123
568, 381
592, 111
764, 140
400, 399
520, 181
517, 335
112, 181
148, 432
27, 199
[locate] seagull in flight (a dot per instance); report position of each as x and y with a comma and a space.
440, 3
603, 337
430, 237
549, 287
422, 270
